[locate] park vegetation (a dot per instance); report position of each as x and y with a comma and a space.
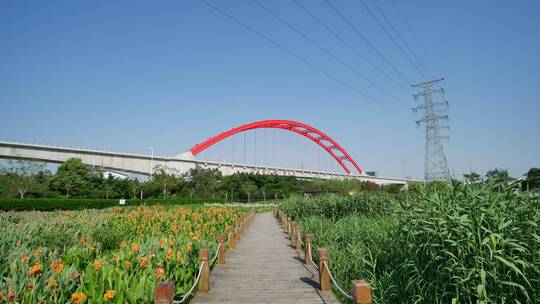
114, 255
448, 243
73, 179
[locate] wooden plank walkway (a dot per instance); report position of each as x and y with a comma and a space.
264, 268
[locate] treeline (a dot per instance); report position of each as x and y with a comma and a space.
73, 179
530, 181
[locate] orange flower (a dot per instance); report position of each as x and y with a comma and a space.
162, 243
180, 257
78, 297
134, 247
57, 265
36, 269
127, 264
25, 259
116, 258
169, 254
37, 252
160, 272
189, 246
3, 297
97, 265
11, 293
123, 244
109, 295
143, 261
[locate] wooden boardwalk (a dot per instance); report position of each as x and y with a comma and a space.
264, 268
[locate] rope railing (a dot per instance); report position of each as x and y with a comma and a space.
361, 290
311, 257
334, 281
164, 292
217, 254
192, 287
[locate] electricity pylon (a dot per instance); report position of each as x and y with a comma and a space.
435, 163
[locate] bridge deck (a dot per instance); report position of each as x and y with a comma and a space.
264, 268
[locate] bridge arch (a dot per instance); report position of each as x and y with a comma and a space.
324, 141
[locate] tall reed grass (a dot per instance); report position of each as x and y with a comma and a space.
451, 244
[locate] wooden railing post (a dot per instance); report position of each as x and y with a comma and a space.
361, 292
289, 222
298, 239
308, 249
293, 233
204, 281
164, 293
230, 237
221, 251
324, 276
237, 232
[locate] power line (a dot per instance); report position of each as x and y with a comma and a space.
393, 28
305, 61
325, 50
340, 38
393, 39
367, 41
417, 38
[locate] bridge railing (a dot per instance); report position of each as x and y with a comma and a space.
361, 292
164, 291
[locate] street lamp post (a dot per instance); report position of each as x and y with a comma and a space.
151, 161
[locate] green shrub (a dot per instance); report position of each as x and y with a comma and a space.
333, 206
49, 204
52, 239
107, 237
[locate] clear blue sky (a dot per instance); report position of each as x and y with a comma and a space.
125, 75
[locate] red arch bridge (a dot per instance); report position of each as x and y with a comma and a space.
280, 147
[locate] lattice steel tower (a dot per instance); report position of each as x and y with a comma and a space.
435, 163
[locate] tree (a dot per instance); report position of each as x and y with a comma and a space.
134, 187
533, 178
23, 175
498, 175
232, 184
168, 182
249, 187
472, 177
203, 182
72, 177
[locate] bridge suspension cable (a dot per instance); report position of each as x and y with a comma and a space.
294, 156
